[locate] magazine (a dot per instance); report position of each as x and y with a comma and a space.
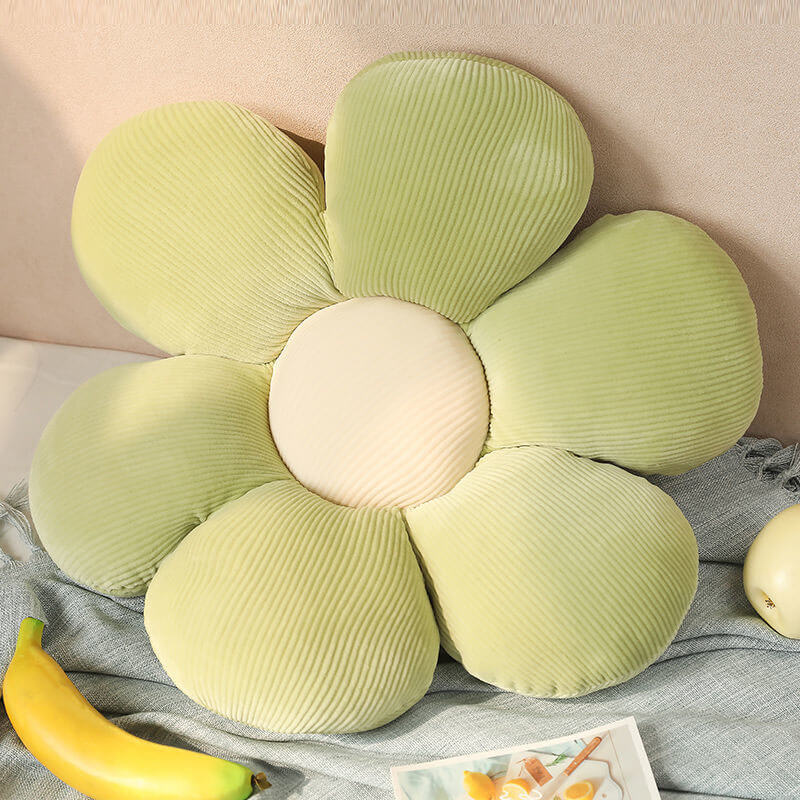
605, 763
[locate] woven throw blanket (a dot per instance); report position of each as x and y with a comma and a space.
719, 712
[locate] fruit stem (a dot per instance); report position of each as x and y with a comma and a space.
30, 633
260, 782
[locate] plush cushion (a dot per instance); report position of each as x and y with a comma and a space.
378, 402
451, 178
288, 612
246, 244
142, 453
575, 585
637, 344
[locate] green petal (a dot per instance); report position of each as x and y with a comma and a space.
290, 613
450, 178
553, 575
139, 455
637, 344
199, 227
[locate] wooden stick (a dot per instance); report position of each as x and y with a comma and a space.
583, 755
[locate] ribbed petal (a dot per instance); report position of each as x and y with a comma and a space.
450, 178
199, 227
139, 455
637, 344
290, 613
553, 575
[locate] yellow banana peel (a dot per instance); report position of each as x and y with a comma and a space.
82, 748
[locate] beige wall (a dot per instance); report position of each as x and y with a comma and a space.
699, 121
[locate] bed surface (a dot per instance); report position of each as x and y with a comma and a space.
719, 712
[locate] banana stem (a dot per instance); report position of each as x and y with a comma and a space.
30, 632
260, 782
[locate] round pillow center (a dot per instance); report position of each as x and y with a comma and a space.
378, 402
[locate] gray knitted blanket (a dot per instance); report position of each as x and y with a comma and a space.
719, 712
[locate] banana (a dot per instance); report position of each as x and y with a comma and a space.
82, 748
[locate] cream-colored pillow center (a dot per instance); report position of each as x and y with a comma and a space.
378, 402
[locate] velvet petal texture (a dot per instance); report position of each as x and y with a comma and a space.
139, 455
636, 343
291, 613
452, 179
553, 575
199, 227
449, 179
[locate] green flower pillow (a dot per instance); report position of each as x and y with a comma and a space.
396, 416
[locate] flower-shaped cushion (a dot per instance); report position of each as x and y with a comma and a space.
458, 415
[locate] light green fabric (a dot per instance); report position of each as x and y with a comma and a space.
554, 575
291, 613
139, 455
637, 343
194, 216
451, 178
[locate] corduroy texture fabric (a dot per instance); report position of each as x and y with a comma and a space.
636, 344
139, 455
290, 613
378, 402
193, 215
579, 583
718, 712
449, 179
